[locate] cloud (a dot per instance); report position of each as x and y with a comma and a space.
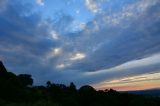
24, 39
91, 5
140, 63
122, 71
78, 56
54, 35
40, 2
3, 4
111, 45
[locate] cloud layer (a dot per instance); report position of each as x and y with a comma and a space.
53, 50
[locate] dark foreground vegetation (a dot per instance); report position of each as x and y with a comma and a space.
18, 91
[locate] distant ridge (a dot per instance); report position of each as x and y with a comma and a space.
148, 92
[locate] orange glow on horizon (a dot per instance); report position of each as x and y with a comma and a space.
142, 82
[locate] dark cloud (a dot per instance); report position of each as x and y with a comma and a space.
24, 37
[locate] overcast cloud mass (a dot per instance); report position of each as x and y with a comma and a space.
86, 41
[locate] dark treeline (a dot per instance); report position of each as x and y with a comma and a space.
17, 90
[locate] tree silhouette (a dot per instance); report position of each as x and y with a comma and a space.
72, 86
26, 80
48, 83
87, 88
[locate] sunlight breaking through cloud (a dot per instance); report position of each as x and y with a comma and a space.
78, 56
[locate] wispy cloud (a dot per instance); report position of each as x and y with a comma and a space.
40, 2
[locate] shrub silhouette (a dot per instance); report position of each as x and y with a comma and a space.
25, 79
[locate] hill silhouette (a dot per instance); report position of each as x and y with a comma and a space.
2, 69
17, 90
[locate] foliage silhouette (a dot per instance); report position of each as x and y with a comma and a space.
72, 86
17, 90
25, 79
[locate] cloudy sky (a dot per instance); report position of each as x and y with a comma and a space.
104, 43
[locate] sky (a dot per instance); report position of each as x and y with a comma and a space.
103, 43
